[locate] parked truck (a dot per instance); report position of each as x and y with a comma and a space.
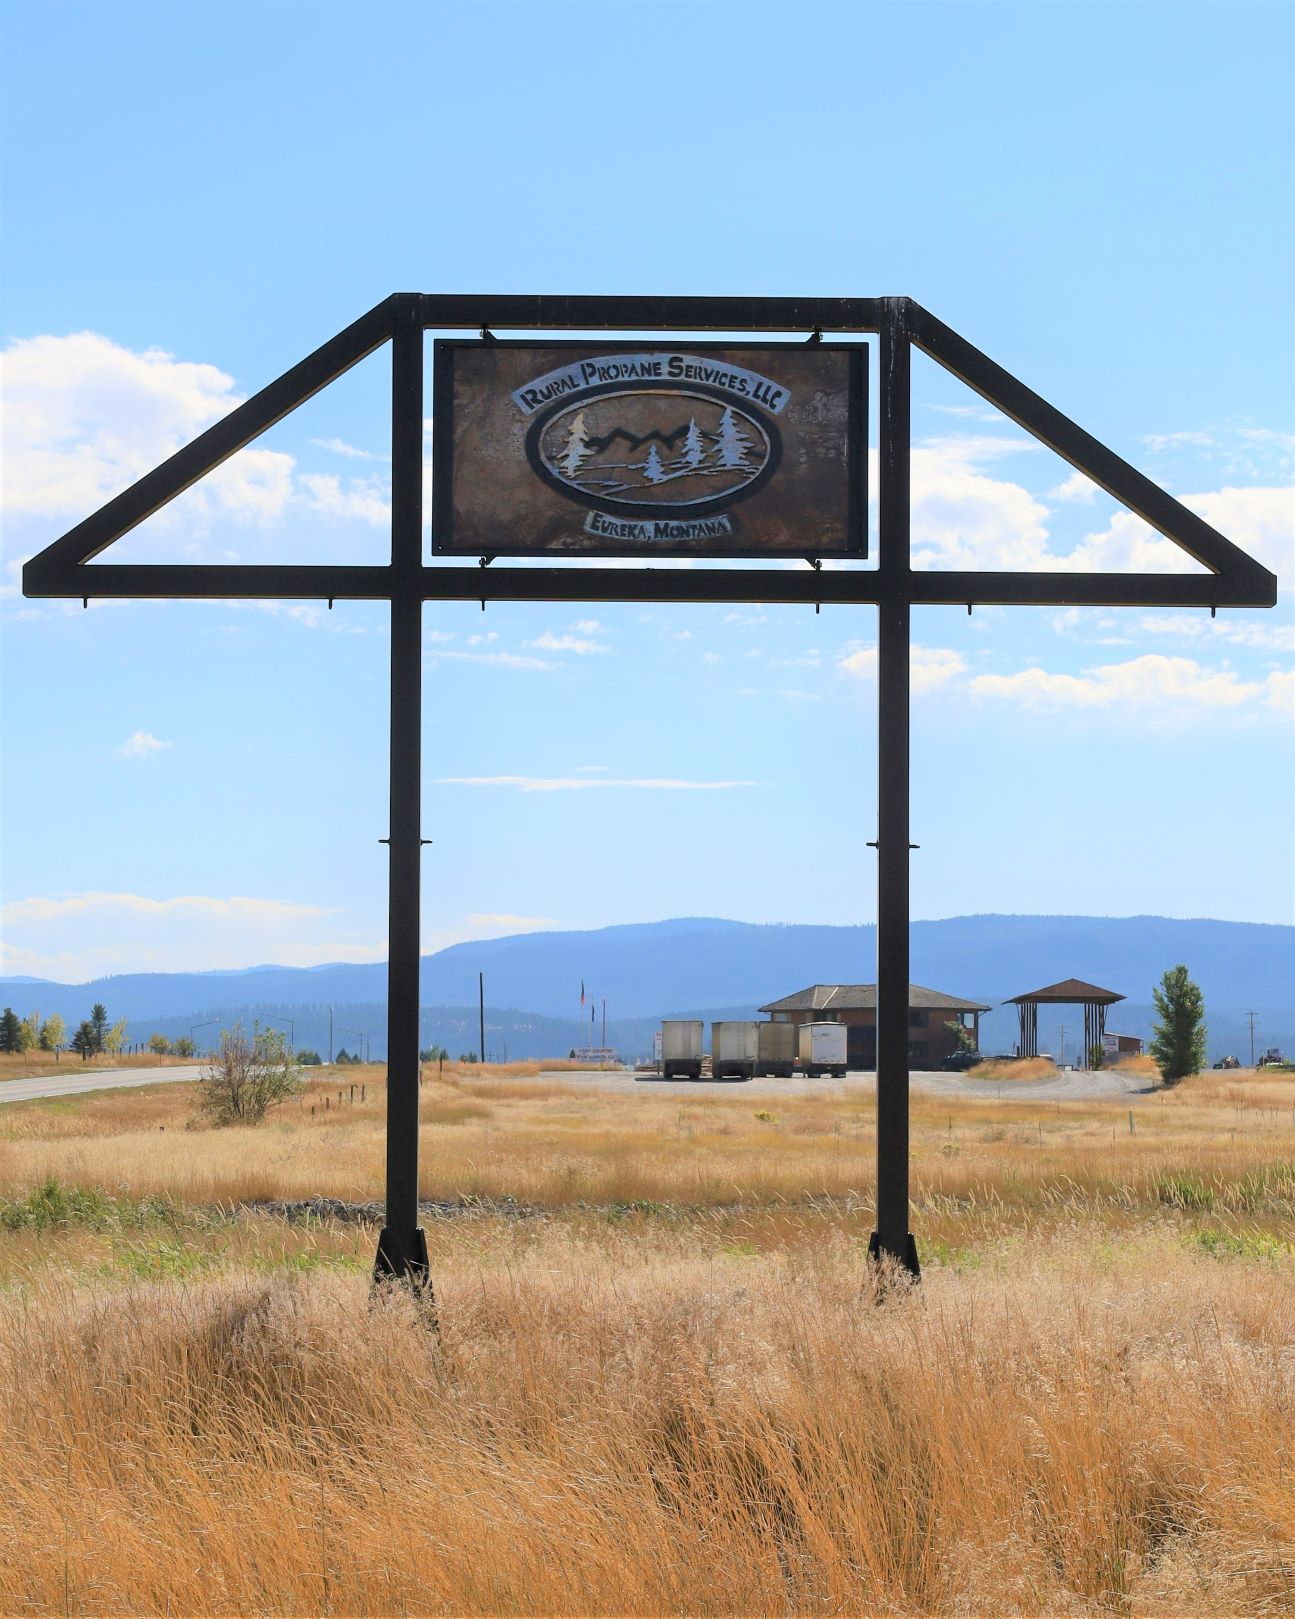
681, 1048
775, 1052
821, 1048
733, 1050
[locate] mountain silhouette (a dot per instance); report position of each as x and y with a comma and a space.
633, 441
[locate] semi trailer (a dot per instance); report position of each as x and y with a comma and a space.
681, 1048
821, 1049
775, 1054
733, 1049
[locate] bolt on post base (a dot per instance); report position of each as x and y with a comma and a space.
907, 1259
402, 1257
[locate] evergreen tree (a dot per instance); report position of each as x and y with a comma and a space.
732, 443
653, 471
84, 1040
576, 450
1178, 1040
694, 451
10, 1030
99, 1023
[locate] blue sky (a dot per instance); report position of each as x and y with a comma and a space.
195, 196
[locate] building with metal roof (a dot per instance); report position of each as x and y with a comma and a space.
930, 1014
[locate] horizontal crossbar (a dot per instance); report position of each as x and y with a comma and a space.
837, 586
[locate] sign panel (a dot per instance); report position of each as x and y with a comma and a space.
616, 449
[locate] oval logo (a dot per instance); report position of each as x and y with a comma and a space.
653, 451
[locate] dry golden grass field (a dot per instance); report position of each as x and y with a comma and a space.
659, 1378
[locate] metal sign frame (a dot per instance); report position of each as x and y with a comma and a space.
64, 569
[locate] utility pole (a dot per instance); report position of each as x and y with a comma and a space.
481, 1009
1062, 1063
1251, 1016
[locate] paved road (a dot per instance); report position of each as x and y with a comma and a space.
103, 1079
1066, 1086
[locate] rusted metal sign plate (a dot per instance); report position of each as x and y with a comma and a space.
607, 449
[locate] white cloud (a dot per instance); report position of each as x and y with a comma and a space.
582, 646
565, 784
710, 657
1259, 519
589, 626
962, 519
1262, 637
366, 499
498, 660
1076, 488
971, 449
976, 413
1150, 681
74, 937
84, 417
140, 744
1281, 691
1164, 441
929, 668
337, 446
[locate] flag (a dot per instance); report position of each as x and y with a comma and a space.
582, 992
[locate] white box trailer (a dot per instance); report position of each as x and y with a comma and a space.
681, 1048
775, 1049
821, 1048
733, 1050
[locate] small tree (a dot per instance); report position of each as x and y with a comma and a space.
160, 1044
1178, 1040
10, 1030
99, 1023
306, 1058
963, 1038
694, 451
184, 1047
52, 1033
576, 451
84, 1041
115, 1038
653, 471
247, 1076
30, 1031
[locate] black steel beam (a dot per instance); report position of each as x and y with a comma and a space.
790, 585
551, 312
229, 435
402, 1247
892, 1238
1106, 469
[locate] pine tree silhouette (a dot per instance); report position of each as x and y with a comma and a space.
653, 471
732, 444
576, 450
694, 451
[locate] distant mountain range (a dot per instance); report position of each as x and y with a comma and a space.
711, 967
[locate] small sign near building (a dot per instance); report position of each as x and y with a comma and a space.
627, 449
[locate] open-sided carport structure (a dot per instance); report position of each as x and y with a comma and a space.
1227, 577
1069, 992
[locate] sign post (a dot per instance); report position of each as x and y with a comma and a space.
727, 451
